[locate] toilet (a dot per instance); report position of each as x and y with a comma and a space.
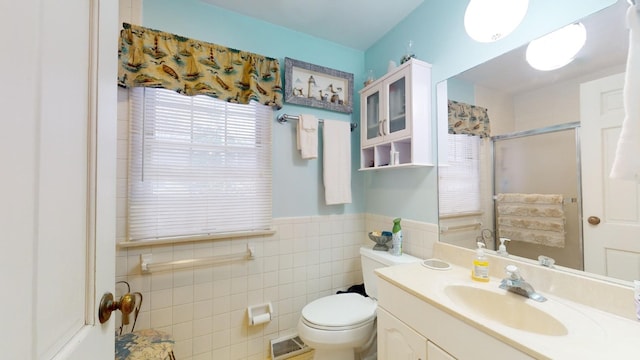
336, 326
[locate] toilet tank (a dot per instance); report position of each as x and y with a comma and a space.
373, 259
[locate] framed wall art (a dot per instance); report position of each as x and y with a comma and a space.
317, 86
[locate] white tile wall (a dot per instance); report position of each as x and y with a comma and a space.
418, 237
205, 308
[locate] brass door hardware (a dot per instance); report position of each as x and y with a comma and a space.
126, 304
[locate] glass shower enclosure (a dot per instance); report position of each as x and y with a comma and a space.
541, 161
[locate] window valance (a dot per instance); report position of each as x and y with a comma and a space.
152, 58
468, 119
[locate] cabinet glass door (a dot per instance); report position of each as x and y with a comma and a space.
397, 106
373, 115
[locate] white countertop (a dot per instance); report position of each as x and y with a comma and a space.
592, 333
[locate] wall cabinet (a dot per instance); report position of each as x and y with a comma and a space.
395, 113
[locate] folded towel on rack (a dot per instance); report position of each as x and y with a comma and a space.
307, 136
532, 218
336, 154
530, 198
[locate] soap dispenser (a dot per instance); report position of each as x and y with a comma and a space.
502, 249
480, 269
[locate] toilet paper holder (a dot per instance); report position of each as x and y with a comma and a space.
259, 314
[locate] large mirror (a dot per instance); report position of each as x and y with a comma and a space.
540, 178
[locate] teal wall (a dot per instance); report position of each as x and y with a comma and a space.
436, 28
297, 183
462, 91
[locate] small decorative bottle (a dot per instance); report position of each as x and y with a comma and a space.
370, 78
396, 248
409, 54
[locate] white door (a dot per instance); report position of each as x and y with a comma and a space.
57, 156
611, 208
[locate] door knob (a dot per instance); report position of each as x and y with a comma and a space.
593, 220
126, 304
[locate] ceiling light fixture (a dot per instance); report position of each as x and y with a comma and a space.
556, 49
491, 20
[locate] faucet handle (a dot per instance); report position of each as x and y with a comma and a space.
512, 272
546, 261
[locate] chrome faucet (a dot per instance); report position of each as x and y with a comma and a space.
516, 284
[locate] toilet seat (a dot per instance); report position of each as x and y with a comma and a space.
339, 312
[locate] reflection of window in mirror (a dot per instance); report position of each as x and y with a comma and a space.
459, 181
463, 180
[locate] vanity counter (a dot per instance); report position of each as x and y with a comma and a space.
414, 293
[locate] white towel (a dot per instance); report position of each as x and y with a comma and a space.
626, 163
336, 162
307, 136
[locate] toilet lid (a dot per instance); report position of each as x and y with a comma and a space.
340, 310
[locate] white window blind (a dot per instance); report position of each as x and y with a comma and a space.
198, 166
459, 180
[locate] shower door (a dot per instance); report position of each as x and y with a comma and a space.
543, 161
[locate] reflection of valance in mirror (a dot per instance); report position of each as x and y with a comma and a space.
468, 119
152, 58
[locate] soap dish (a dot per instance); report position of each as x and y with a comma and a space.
436, 264
381, 240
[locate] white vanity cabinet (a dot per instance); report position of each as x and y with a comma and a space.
395, 113
411, 328
398, 341
434, 352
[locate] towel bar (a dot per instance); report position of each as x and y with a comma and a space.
444, 229
148, 267
565, 201
283, 118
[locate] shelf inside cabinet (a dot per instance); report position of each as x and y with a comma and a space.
401, 166
381, 156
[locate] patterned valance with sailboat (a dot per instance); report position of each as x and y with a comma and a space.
468, 119
152, 58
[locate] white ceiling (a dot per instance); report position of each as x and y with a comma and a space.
354, 23
605, 50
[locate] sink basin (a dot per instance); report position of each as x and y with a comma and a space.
506, 308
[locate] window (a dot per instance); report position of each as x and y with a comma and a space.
459, 180
197, 166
